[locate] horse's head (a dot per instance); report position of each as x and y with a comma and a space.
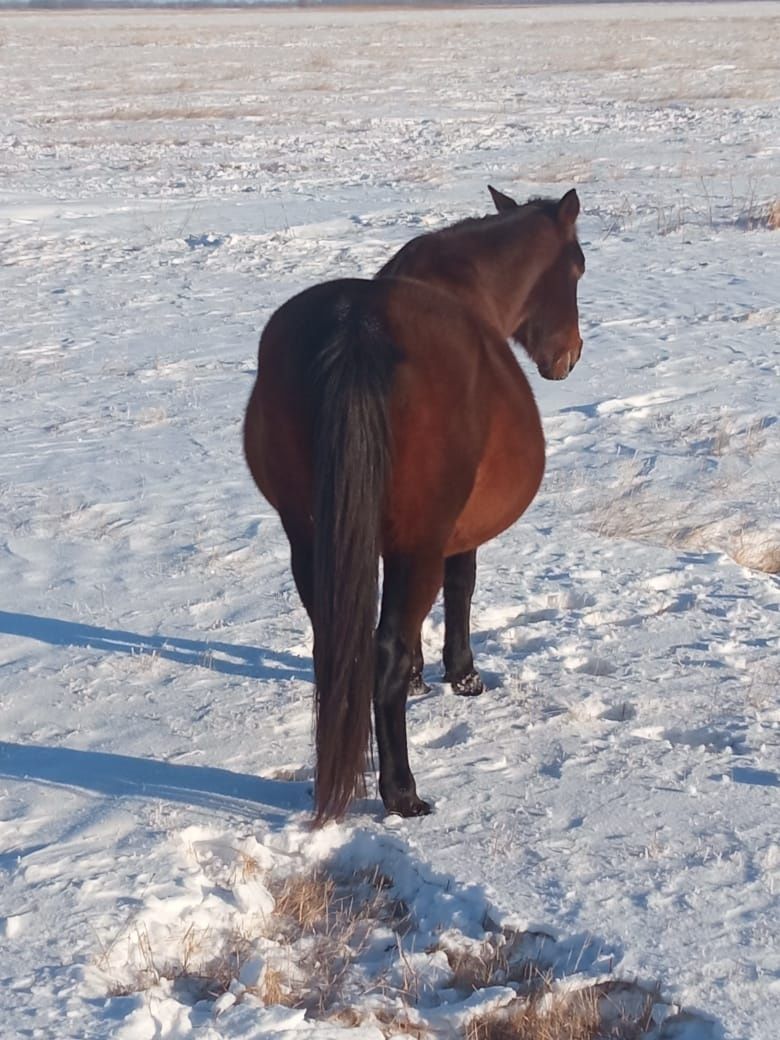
549, 327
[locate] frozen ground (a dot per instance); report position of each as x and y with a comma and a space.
167, 181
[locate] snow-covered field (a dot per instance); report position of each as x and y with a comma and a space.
167, 181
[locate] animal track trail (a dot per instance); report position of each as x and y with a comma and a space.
712, 738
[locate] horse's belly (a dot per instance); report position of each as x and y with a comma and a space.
506, 482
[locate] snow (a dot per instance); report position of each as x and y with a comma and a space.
168, 179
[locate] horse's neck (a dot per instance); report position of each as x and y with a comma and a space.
501, 266
491, 269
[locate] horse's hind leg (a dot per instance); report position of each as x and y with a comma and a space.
418, 685
409, 589
460, 573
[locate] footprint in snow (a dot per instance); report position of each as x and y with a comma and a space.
619, 712
587, 664
443, 737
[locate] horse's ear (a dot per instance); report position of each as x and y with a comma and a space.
502, 202
569, 208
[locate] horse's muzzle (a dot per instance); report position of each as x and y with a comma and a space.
561, 365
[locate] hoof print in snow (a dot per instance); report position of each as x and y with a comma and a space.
587, 664
447, 737
622, 712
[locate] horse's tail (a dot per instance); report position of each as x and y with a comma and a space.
351, 378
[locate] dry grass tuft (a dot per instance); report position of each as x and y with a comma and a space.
319, 927
197, 970
756, 552
608, 1011
273, 990
477, 965
708, 513
571, 1017
303, 903
318, 904
747, 212
392, 1022
326, 923
683, 525
493, 962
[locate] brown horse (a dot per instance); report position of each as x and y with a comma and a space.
390, 418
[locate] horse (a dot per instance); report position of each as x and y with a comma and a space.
390, 419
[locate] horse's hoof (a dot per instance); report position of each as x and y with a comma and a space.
418, 686
470, 685
408, 805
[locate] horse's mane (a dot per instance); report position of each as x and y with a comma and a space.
410, 252
548, 206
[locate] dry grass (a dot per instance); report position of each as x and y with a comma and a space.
683, 525
197, 970
574, 1017
713, 510
608, 1011
303, 904
274, 991
747, 212
394, 1022
756, 551
488, 963
476, 968
501, 959
330, 921
391, 1022
319, 927
319, 903
308, 956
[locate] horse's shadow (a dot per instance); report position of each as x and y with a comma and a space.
252, 662
122, 776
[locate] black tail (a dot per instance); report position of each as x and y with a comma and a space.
350, 383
